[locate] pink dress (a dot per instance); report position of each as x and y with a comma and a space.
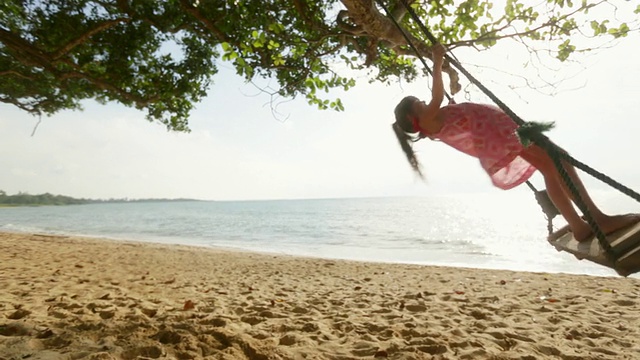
487, 133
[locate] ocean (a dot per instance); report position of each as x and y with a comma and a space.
498, 230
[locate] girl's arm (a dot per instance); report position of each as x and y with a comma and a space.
437, 91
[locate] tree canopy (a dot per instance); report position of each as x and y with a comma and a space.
162, 56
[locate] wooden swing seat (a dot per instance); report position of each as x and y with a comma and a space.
624, 242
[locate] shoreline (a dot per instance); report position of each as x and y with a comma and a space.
461, 232
90, 298
589, 268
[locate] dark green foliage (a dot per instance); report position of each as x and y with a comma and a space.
161, 56
54, 54
24, 199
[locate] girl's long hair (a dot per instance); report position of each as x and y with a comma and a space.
403, 127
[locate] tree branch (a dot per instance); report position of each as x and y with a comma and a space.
13, 72
193, 11
104, 85
25, 51
28, 108
84, 37
366, 16
303, 11
491, 35
399, 10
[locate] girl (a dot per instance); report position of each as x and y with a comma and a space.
489, 134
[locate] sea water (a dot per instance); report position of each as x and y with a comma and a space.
500, 230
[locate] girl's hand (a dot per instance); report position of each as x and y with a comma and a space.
438, 51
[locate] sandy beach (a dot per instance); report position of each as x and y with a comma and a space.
79, 298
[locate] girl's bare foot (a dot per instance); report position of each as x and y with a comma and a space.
582, 233
611, 224
608, 224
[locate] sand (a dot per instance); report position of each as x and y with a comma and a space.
78, 298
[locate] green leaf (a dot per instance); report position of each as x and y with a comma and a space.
599, 28
273, 45
564, 50
622, 31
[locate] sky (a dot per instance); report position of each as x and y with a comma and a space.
239, 149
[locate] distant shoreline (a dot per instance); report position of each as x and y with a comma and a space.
24, 199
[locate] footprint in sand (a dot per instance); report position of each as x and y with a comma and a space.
152, 352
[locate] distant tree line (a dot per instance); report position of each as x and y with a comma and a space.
25, 199
22, 199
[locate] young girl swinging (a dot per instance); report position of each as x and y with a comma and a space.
489, 134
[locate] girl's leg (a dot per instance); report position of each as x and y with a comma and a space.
562, 197
580, 229
538, 158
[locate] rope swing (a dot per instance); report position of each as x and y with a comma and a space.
529, 132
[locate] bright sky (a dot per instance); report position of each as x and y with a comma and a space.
239, 150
